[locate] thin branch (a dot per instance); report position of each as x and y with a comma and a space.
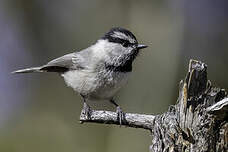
109, 117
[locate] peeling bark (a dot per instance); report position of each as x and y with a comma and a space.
198, 122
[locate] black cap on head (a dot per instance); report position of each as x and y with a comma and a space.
120, 35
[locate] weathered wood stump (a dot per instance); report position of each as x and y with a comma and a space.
197, 123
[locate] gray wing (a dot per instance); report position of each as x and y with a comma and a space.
72, 61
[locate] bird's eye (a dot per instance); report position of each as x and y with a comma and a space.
123, 42
126, 43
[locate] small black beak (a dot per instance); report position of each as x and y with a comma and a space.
141, 46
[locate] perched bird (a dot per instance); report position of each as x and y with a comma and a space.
99, 71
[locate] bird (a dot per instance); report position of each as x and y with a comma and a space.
99, 71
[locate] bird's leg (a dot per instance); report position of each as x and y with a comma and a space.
86, 108
120, 113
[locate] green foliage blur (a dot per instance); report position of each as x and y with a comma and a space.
38, 113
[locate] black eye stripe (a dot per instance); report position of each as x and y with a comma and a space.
123, 42
126, 43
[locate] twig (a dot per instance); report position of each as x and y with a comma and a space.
109, 117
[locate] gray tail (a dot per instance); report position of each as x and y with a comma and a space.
45, 68
29, 70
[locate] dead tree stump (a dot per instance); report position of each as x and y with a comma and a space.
197, 123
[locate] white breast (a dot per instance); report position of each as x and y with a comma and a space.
110, 85
81, 81
103, 85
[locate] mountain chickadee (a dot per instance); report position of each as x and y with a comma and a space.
99, 71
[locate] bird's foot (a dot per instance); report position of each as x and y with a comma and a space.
86, 111
120, 115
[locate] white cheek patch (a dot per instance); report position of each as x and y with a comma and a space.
123, 36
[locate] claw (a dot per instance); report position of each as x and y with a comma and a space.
86, 110
120, 115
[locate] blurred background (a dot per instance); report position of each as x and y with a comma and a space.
39, 113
